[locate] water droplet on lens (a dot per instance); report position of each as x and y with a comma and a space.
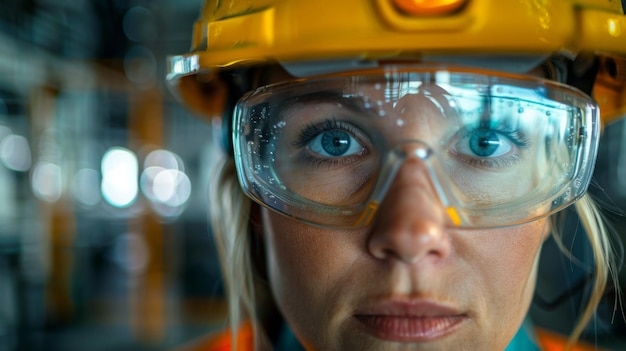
400, 122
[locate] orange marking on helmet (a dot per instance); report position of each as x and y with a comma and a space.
428, 7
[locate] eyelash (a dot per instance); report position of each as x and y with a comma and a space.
312, 130
514, 136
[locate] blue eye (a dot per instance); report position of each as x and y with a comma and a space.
335, 143
491, 148
487, 143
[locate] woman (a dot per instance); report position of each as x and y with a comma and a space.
406, 162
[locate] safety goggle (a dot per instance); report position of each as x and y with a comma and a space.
497, 150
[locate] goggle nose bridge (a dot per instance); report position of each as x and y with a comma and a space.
413, 148
396, 158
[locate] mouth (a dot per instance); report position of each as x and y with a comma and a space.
410, 321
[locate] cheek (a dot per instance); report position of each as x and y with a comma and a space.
306, 265
296, 250
507, 261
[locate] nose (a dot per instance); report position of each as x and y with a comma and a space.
411, 221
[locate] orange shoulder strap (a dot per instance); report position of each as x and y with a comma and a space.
550, 341
221, 341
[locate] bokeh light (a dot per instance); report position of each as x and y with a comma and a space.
165, 183
47, 181
130, 253
119, 177
140, 66
139, 25
4, 131
85, 187
15, 152
172, 187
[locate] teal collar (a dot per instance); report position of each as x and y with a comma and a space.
525, 339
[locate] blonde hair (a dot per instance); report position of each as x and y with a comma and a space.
604, 261
230, 223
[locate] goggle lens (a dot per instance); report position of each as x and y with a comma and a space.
498, 150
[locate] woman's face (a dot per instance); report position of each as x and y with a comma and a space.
409, 280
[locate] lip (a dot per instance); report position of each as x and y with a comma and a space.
410, 320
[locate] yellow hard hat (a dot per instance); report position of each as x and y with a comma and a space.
354, 33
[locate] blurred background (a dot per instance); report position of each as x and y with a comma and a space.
104, 241
103, 235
